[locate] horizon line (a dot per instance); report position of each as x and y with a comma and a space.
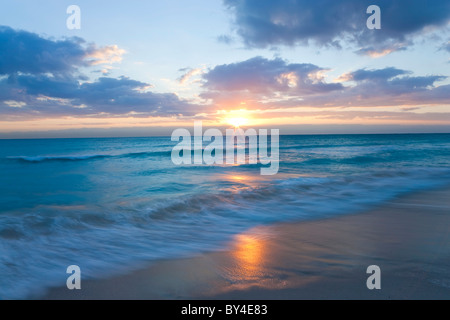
286, 134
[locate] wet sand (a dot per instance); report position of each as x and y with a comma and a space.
408, 238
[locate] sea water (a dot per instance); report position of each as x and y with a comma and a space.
111, 205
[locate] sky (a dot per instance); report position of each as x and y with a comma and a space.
137, 68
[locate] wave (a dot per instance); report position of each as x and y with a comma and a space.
44, 158
58, 158
350, 160
120, 238
145, 154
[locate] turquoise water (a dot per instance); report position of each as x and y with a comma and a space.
116, 204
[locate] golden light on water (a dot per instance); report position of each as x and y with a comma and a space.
249, 254
249, 251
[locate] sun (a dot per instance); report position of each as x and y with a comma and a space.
237, 122
235, 118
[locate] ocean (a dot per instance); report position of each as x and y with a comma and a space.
112, 205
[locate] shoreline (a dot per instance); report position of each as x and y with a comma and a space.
407, 237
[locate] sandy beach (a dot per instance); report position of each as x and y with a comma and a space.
408, 238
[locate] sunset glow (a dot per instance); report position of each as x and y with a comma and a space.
237, 122
113, 84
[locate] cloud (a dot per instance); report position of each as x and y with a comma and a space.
28, 52
446, 46
43, 96
386, 81
260, 83
223, 38
43, 78
267, 23
379, 74
347, 116
15, 104
189, 73
104, 55
260, 75
380, 49
387, 87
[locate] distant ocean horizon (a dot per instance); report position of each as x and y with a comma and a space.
112, 205
165, 135
287, 130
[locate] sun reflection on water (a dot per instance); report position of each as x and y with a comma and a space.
249, 254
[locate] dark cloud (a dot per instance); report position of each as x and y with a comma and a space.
59, 87
26, 52
265, 23
414, 83
119, 95
382, 82
260, 75
42, 77
44, 96
383, 74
